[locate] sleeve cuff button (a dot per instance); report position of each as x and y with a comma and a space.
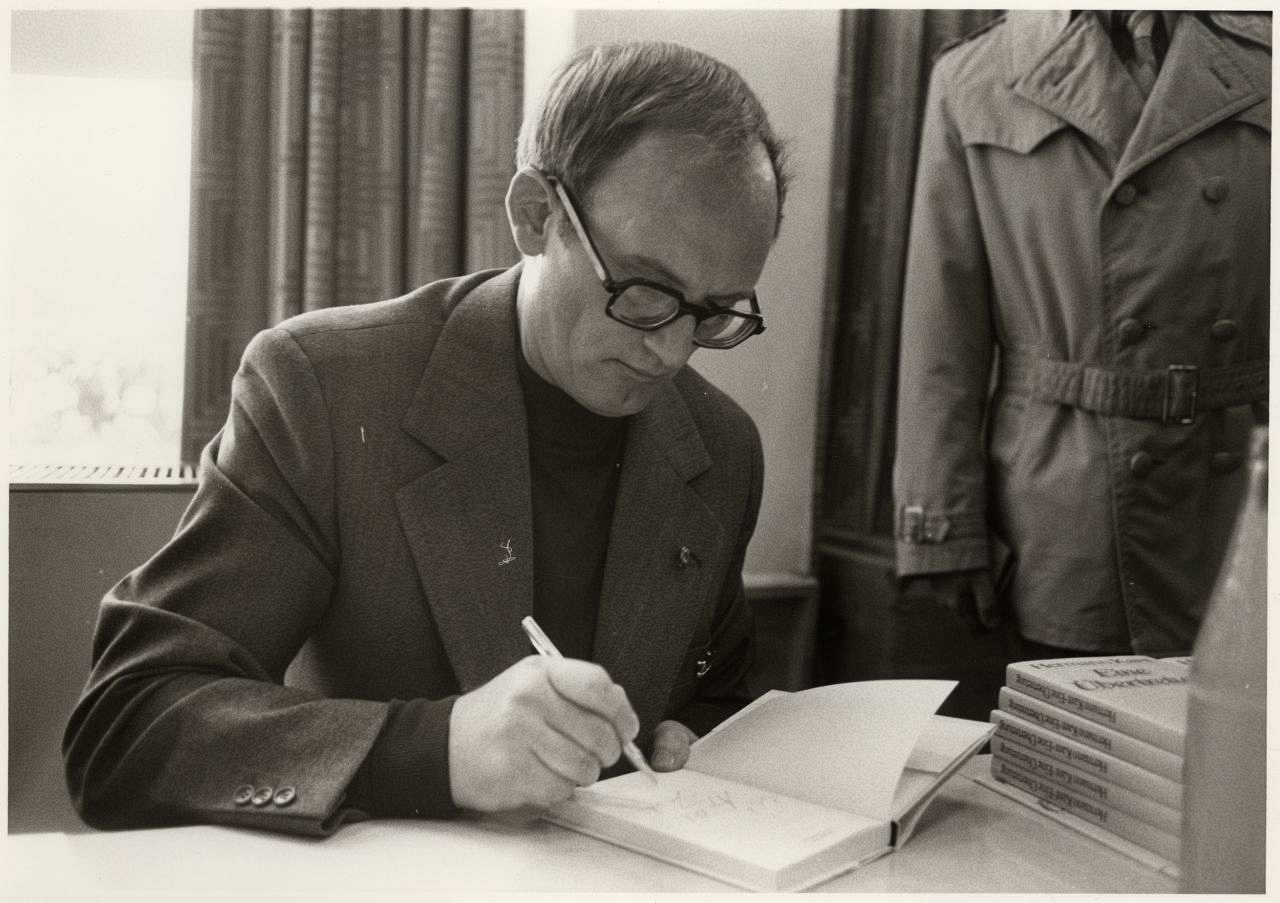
285, 796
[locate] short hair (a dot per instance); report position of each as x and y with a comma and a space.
605, 97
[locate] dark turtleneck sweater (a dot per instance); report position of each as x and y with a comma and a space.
574, 461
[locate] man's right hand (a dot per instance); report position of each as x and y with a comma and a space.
534, 732
970, 594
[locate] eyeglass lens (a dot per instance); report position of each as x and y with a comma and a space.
646, 308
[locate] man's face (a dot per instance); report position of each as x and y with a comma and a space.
671, 210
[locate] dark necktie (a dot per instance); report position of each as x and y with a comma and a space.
1140, 39
1144, 64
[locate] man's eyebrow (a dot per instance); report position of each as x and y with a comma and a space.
654, 266
657, 267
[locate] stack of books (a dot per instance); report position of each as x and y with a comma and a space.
1099, 740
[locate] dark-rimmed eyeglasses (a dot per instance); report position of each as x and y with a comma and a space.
648, 305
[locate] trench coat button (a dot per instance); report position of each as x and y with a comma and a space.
1225, 462
1126, 194
242, 795
1215, 189
1224, 330
284, 796
1140, 464
1130, 331
262, 796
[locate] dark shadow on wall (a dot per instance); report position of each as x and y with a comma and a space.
865, 630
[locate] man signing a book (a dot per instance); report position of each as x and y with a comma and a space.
333, 633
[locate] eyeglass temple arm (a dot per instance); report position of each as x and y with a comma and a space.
596, 263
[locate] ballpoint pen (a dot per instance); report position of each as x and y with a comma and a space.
542, 643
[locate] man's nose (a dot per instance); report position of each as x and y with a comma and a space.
673, 343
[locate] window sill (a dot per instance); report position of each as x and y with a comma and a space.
72, 477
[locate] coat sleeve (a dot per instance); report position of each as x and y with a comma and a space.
945, 358
185, 702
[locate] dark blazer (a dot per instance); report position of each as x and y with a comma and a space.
346, 547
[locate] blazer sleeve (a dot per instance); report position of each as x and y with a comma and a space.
185, 703
724, 689
945, 359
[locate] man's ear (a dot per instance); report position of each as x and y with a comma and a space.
529, 209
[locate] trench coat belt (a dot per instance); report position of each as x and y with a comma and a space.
1173, 394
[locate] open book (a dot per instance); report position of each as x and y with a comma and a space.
794, 789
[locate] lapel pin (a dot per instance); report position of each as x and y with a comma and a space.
686, 557
510, 557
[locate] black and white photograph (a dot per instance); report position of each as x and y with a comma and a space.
554, 449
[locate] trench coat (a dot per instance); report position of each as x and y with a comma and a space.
1085, 322
362, 533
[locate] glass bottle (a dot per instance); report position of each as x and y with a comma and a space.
1225, 765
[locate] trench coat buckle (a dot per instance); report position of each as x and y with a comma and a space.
1181, 389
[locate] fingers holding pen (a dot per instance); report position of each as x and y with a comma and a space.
564, 757
589, 687
534, 732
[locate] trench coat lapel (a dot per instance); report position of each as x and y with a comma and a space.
1202, 81
1066, 66
652, 594
459, 515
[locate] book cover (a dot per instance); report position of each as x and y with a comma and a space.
1090, 733
1091, 761
1136, 695
794, 789
1132, 829
1088, 786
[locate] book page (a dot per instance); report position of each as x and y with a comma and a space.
747, 823
842, 746
944, 739
747, 709
946, 744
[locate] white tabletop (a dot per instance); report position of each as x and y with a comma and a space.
970, 840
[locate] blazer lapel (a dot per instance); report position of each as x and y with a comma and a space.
468, 520
460, 515
664, 547
1202, 81
1069, 69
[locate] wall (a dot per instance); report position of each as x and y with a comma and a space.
789, 58
117, 43
66, 549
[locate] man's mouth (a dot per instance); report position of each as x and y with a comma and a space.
641, 374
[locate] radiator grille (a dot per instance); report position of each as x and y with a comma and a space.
100, 475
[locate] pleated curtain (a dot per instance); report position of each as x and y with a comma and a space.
339, 157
